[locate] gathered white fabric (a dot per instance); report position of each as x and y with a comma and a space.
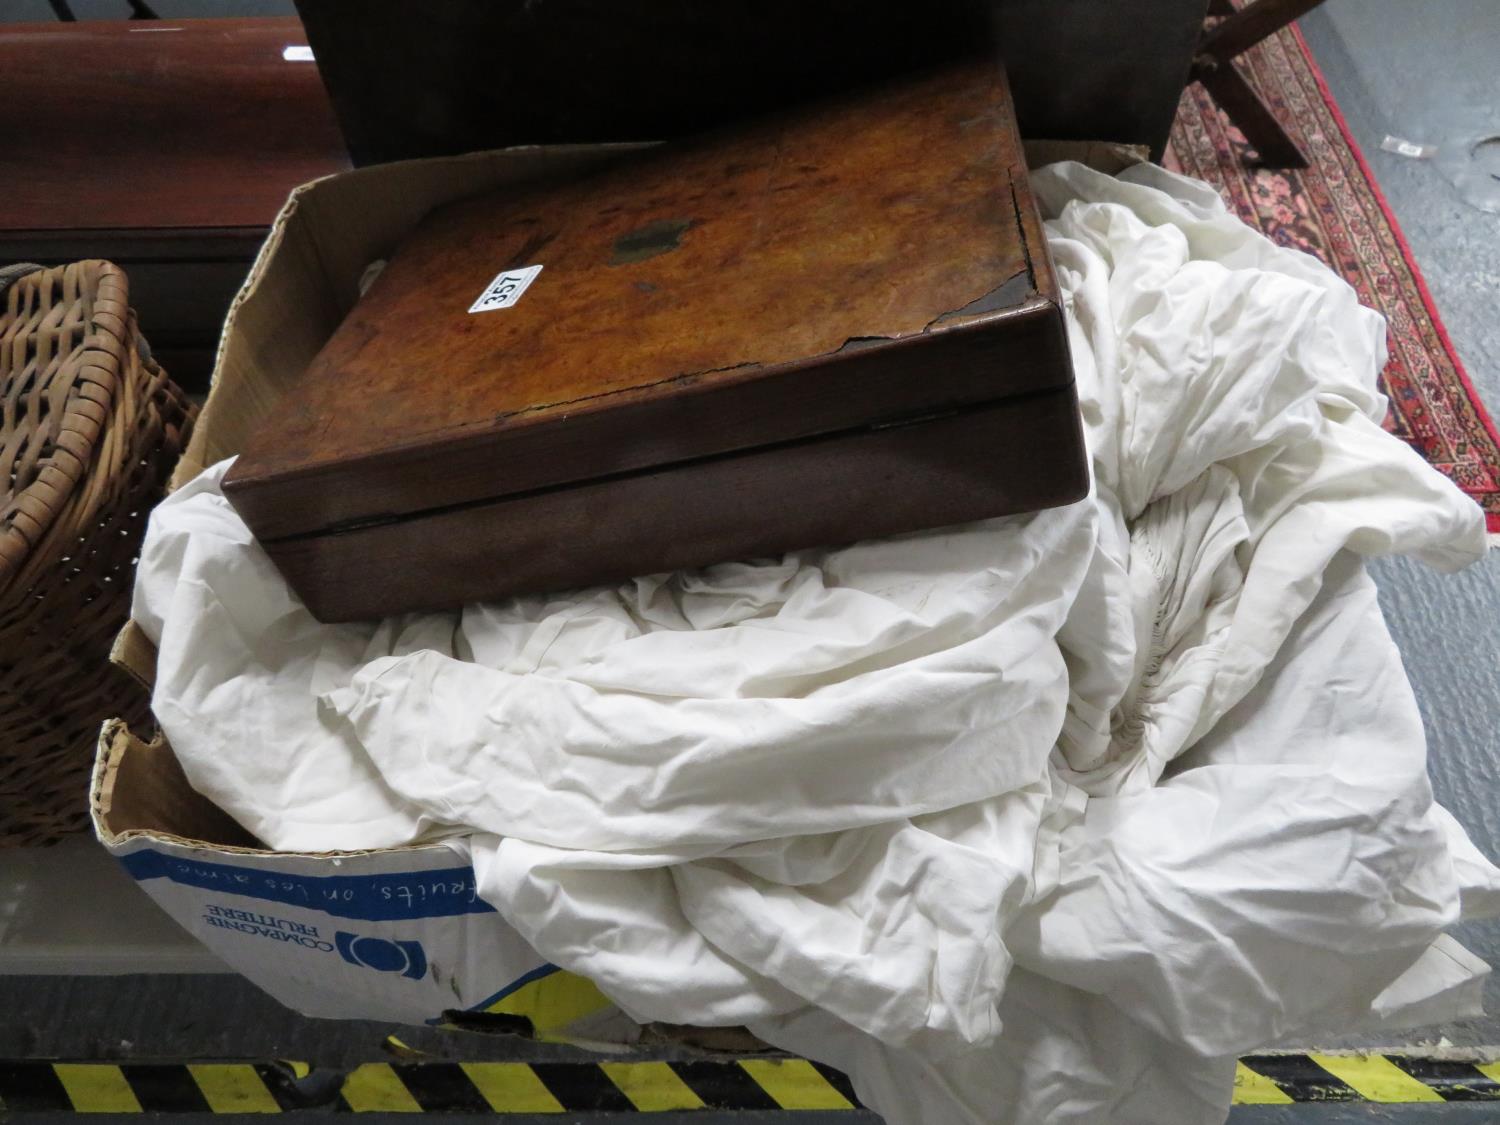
1037, 819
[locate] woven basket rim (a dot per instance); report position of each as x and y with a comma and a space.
92, 369
64, 600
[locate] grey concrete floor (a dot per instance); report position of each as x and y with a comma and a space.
1426, 72
1452, 1113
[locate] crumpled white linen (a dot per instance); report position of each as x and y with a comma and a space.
1037, 819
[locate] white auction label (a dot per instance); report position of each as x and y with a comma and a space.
506, 289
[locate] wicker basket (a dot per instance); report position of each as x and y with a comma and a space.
90, 432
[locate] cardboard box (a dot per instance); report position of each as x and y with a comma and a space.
398, 934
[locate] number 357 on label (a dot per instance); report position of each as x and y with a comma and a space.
506, 289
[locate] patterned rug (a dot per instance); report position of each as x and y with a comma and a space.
1334, 210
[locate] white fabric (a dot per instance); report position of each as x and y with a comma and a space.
1036, 819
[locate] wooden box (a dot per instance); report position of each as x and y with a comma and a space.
836, 325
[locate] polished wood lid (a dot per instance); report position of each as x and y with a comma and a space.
764, 285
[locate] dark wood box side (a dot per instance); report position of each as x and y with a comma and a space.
988, 358
1019, 455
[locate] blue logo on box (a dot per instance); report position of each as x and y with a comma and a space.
382, 954
389, 897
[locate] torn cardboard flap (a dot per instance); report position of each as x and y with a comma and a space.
133, 652
139, 787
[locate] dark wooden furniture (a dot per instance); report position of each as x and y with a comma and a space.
166, 147
1098, 70
1233, 32
829, 326
452, 76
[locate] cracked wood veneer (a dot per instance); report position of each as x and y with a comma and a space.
785, 294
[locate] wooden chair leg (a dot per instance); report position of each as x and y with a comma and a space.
1240, 30
1244, 107
1248, 25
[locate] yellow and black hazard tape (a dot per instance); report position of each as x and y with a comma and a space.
637, 1087
418, 1087
1283, 1078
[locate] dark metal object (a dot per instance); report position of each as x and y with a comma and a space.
459, 75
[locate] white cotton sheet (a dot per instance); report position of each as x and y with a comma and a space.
1037, 819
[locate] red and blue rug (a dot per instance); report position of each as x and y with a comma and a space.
1334, 210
